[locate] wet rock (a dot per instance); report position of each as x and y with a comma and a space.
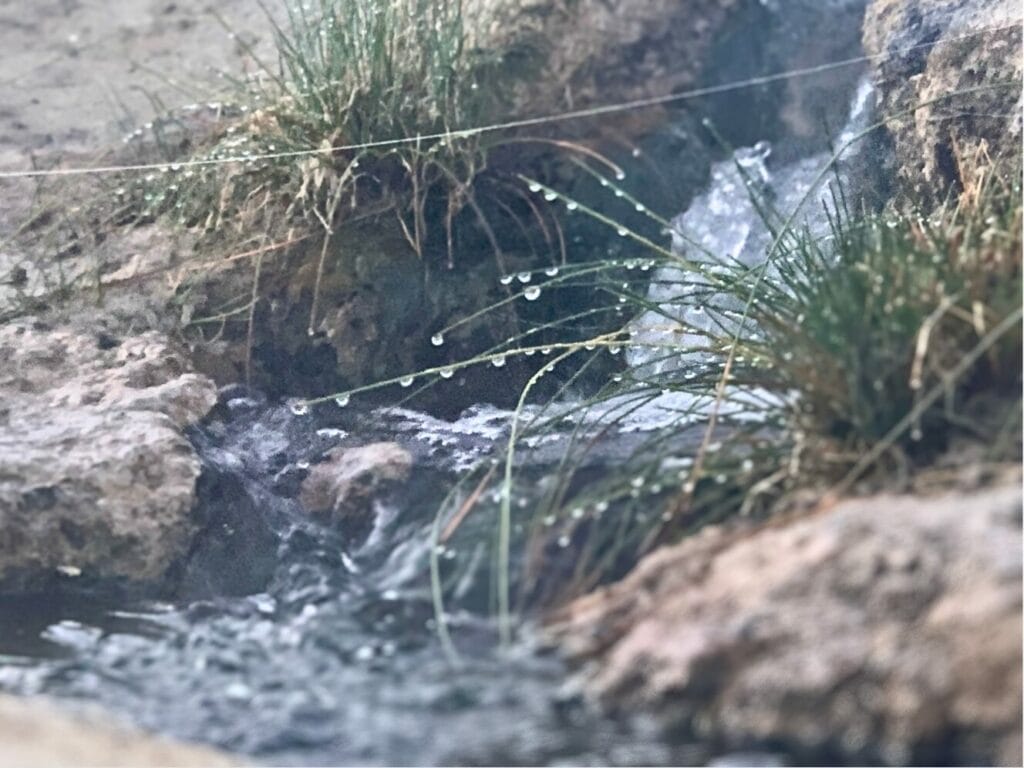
598, 50
342, 489
958, 62
883, 629
97, 479
33, 734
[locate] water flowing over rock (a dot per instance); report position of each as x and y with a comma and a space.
734, 223
342, 487
886, 628
97, 478
948, 74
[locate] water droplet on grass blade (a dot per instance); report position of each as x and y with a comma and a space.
342, 400
532, 293
406, 382
298, 407
437, 339
524, 277
447, 373
551, 271
498, 362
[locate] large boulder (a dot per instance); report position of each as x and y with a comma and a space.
883, 629
34, 734
948, 75
96, 476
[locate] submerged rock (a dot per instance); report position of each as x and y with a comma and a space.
96, 476
883, 629
343, 487
948, 73
35, 735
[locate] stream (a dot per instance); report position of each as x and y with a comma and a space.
294, 643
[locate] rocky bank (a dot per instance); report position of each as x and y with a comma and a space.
885, 629
97, 479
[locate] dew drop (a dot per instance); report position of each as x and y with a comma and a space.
506, 279
498, 362
437, 339
534, 187
640, 207
298, 407
447, 373
550, 196
572, 205
545, 350
620, 176
406, 382
529, 352
532, 293
551, 271
563, 541
622, 231
549, 520
577, 513
342, 400
637, 482
524, 277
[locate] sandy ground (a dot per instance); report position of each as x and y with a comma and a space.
78, 75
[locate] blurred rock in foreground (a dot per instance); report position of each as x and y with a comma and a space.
882, 629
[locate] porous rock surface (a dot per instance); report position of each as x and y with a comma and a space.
948, 75
34, 734
883, 629
96, 476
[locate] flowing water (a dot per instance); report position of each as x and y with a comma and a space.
295, 643
335, 659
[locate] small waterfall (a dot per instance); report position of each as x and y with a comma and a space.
724, 225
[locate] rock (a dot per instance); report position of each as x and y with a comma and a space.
927, 51
34, 734
342, 488
883, 629
97, 478
597, 50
